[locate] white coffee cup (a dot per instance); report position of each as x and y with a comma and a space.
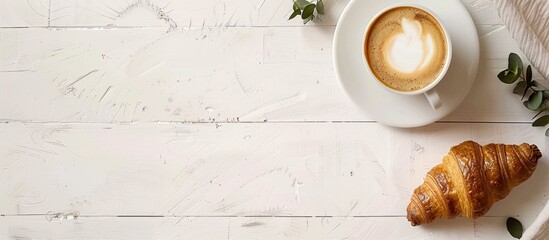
428, 91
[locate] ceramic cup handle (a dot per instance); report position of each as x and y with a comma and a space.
433, 98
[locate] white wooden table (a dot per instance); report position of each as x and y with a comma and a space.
219, 119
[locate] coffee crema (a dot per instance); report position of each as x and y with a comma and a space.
405, 48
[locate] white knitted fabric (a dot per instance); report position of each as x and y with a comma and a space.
528, 22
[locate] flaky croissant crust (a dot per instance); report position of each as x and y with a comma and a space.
470, 179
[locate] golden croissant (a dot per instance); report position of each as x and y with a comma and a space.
470, 179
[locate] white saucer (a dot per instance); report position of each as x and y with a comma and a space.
397, 110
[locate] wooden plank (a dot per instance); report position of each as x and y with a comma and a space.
139, 71
482, 12
42, 227
228, 169
144, 75
168, 14
281, 169
194, 13
218, 13
24, 13
66, 226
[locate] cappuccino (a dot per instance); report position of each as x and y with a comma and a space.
406, 48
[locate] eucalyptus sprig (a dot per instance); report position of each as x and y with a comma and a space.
307, 10
514, 227
538, 100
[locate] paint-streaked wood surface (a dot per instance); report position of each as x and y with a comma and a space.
219, 119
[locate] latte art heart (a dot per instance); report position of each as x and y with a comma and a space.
411, 50
405, 48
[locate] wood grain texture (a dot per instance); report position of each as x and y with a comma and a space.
24, 13
258, 74
267, 169
210, 13
170, 14
244, 228
219, 119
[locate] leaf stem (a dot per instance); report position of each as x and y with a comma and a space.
537, 102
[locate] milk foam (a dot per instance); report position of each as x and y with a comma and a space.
411, 50
405, 48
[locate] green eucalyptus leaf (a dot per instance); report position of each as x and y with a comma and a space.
305, 21
529, 75
534, 101
507, 76
545, 93
537, 86
528, 81
294, 14
515, 64
320, 7
520, 88
540, 108
301, 3
542, 121
514, 70
525, 89
514, 227
308, 11
538, 101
